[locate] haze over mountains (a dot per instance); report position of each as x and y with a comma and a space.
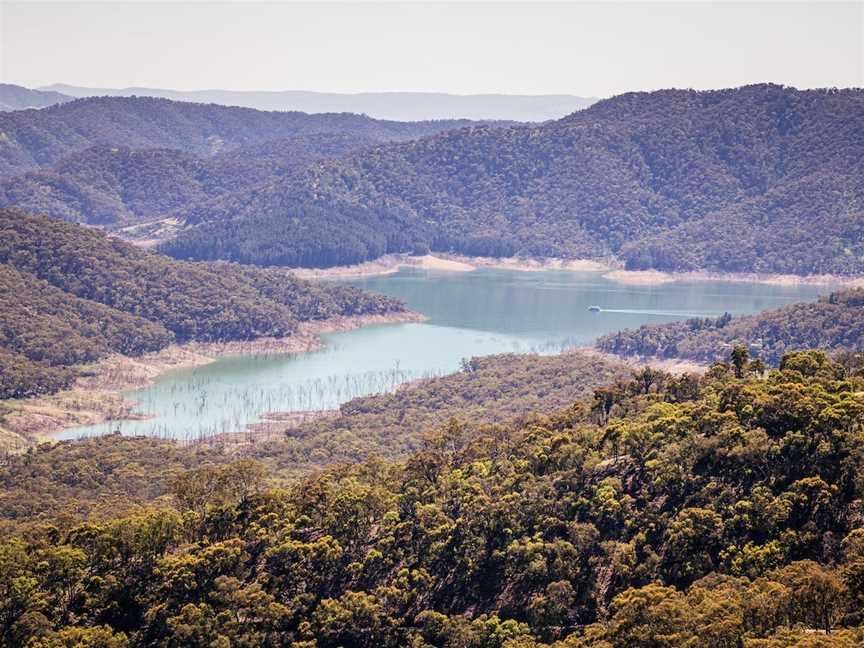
398, 369
399, 106
121, 160
14, 97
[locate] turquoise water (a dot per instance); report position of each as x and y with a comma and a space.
469, 314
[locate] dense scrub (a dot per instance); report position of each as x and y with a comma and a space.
21, 377
834, 322
712, 512
76, 295
70, 482
44, 329
46, 323
761, 178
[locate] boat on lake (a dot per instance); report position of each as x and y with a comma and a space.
594, 309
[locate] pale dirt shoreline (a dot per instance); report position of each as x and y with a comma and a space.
387, 264
656, 277
392, 263
98, 396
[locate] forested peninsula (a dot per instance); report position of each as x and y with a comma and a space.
834, 322
76, 295
426, 370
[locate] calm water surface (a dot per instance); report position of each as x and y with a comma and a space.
470, 314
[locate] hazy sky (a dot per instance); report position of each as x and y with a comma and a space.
595, 49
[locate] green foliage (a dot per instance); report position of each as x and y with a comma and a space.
71, 482
47, 324
717, 516
90, 478
21, 377
116, 185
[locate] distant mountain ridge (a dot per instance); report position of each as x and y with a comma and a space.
762, 178
15, 97
33, 139
398, 106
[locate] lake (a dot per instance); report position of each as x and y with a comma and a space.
469, 314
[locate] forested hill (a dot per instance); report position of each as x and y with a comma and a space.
664, 512
760, 178
36, 138
72, 295
117, 185
834, 322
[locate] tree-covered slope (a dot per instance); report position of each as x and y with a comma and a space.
761, 178
834, 322
33, 139
93, 479
73, 295
44, 327
674, 512
111, 185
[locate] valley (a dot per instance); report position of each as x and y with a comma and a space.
349, 367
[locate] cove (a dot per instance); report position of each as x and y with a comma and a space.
469, 314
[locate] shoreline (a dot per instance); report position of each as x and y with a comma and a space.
612, 271
392, 263
97, 395
385, 265
659, 277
